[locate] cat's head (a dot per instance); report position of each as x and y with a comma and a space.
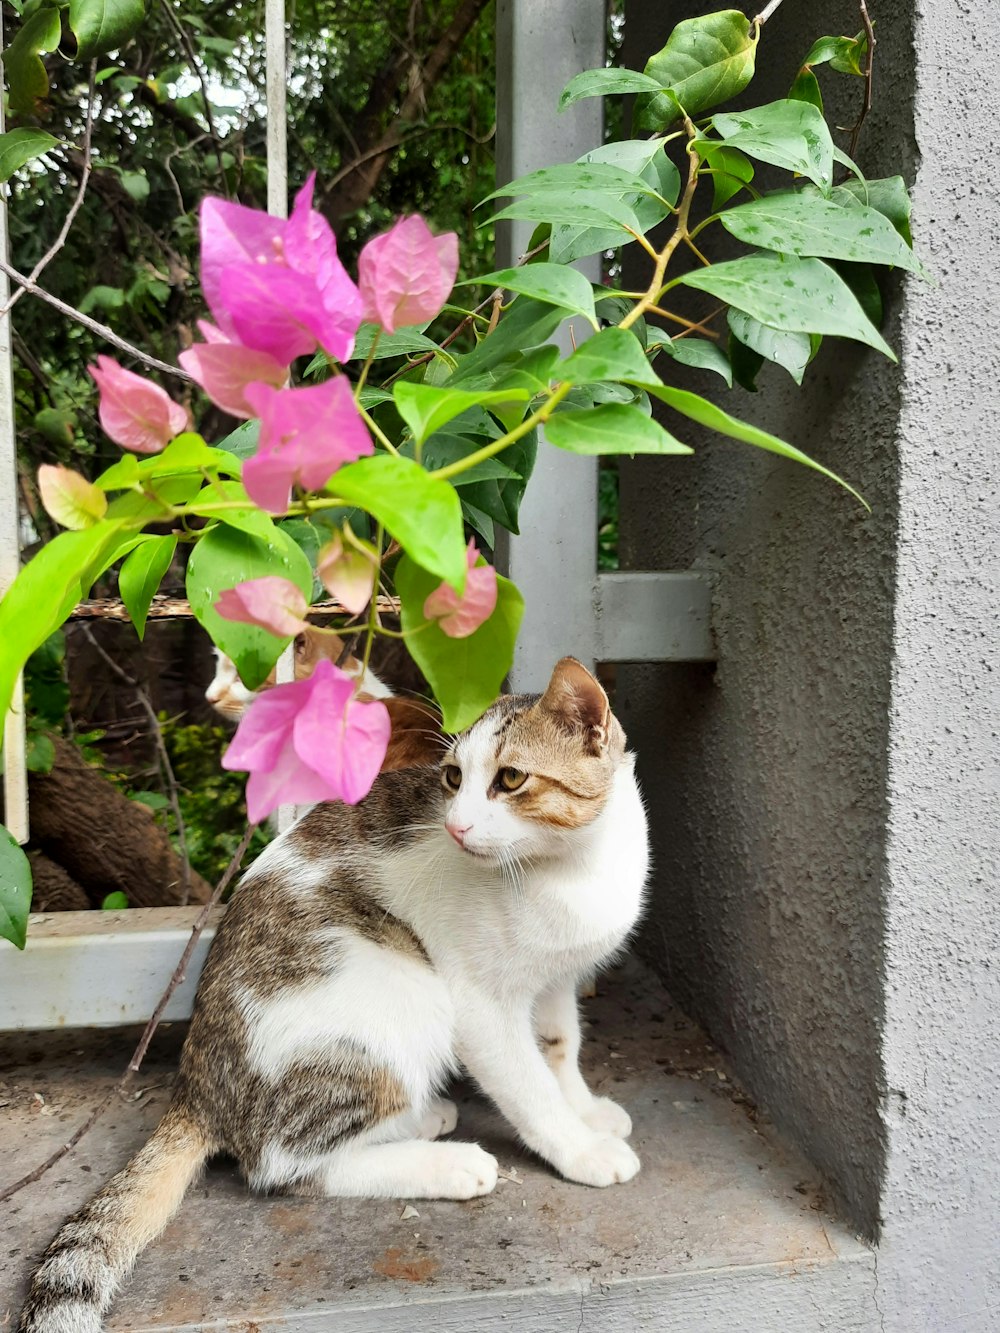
229, 696
534, 769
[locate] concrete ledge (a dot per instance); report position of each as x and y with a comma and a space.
724, 1229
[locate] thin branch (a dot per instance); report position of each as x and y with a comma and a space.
192, 55
74, 207
169, 777
866, 105
139, 1053
765, 13
101, 330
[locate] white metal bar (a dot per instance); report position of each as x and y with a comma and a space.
653, 617
539, 49
15, 776
99, 969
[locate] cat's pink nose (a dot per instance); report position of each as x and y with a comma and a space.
458, 832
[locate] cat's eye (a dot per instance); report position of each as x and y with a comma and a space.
452, 775
511, 778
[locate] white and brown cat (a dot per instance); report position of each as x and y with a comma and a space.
373, 950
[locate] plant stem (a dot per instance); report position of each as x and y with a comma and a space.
367, 366
377, 431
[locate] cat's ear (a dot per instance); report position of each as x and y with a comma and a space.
416, 734
578, 703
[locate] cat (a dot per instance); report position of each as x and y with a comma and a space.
230, 697
373, 950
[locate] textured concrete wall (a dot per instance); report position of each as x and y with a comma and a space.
767, 774
826, 801
941, 1206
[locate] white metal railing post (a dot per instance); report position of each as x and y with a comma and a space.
277, 203
15, 777
554, 560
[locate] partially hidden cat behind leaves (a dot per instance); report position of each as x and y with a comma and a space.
230, 697
372, 951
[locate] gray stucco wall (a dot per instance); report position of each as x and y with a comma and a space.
825, 800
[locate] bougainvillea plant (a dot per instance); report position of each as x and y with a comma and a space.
337, 481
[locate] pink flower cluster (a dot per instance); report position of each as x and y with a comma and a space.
277, 291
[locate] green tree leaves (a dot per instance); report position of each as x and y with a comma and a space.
798, 295
15, 890
787, 134
20, 146
706, 61
140, 576
100, 26
612, 428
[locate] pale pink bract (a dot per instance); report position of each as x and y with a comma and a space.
276, 286
348, 573
310, 740
134, 412
305, 436
224, 369
460, 614
272, 603
406, 274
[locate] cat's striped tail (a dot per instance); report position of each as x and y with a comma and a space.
95, 1250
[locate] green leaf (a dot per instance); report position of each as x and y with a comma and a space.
888, 197
804, 223
554, 283
140, 576
224, 557
863, 283
806, 89
404, 342
612, 354
787, 134
799, 295
642, 158
426, 409
844, 54
421, 511
465, 674
211, 502
15, 890
573, 207
153, 800
746, 364
604, 83
115, 902
698, 353
242, 441
27, 79
706, 60
43, 595
19, 146
104, 25
41, 752
707, 414
122, 475
69, 498
613, 428
731, 170
587, 173
189, 453
442, 449
523, 327
791, 350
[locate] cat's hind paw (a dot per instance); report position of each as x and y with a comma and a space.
441, 1117
606, 1117
607, 1161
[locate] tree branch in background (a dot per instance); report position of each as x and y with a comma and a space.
74, 207
93, 325
356, 185
138, 1055
866, 105
167, 769
188, 45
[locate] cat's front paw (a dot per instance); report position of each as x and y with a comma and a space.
464, 1171
606, 1161
606, 1117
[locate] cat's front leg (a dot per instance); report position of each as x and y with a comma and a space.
557, 1022
498, 1046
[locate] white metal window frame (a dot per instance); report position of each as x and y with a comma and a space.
98, 969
